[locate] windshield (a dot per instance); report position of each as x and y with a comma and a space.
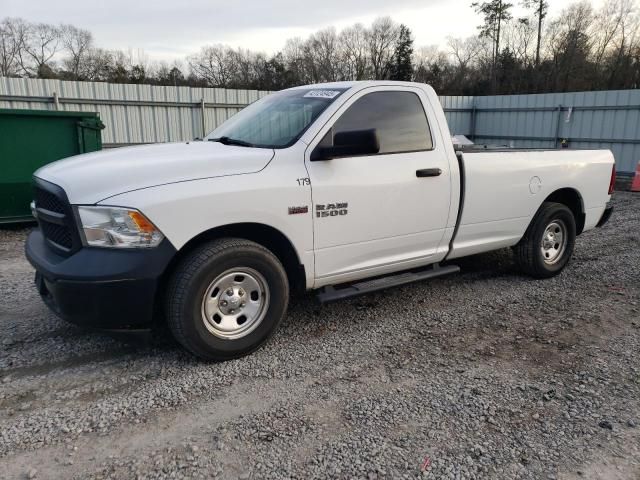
277, 120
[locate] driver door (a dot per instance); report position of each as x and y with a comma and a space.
374, 213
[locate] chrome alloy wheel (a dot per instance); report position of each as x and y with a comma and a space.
554, 242
235, 303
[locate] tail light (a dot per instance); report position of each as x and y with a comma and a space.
612, 182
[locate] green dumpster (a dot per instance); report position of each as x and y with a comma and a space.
30, 139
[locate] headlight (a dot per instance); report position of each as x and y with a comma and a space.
118, 228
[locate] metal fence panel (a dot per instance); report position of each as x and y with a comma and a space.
458, 111
609, 119
147, 114
132, 113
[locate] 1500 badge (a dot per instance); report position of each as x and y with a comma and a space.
331, 209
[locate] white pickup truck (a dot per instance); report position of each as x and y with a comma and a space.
342, 188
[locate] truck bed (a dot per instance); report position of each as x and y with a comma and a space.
499, 185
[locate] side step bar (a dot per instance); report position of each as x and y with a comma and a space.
331, 294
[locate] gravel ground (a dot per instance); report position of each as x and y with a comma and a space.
484, 374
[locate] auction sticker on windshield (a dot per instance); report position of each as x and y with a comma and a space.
322, 94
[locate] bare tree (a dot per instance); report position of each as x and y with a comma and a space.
427, 55
244, 67
465, 54
570, 41
354, 44
322, 49
519, 38
77, 43
42, 42
213, 64
614, 22
431, 66
618, 24
464, 51
579, 49
576, 19
97, 65
382, 39
166, 74
294, 58
13, 32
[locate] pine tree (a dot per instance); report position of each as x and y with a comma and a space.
402, 67
495, 13
541, 8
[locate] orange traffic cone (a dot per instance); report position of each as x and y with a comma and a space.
635, 185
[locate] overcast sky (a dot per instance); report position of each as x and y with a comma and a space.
171, 29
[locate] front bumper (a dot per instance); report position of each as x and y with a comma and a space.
606, 215
98, 287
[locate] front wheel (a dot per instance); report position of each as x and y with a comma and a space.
548, 243
226, 298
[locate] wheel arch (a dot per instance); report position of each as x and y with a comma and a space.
269, 237
572, 199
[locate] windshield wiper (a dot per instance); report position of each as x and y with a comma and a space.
231, 141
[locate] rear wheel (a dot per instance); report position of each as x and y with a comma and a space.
548, 243
226, 298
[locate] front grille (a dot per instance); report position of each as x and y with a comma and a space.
58, 234
55, 217
48, 201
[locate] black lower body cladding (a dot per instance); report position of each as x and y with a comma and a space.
104, 288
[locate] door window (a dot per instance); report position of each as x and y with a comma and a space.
398, 118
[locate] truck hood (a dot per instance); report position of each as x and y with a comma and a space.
93, 177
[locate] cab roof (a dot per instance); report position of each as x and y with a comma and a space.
359, 84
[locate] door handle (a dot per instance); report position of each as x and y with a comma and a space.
428, 172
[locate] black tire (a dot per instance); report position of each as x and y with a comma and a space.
193, 278
529, 252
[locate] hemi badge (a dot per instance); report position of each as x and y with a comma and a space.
297, 210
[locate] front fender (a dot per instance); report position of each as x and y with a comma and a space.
185, 210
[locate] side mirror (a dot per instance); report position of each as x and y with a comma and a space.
349, 144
